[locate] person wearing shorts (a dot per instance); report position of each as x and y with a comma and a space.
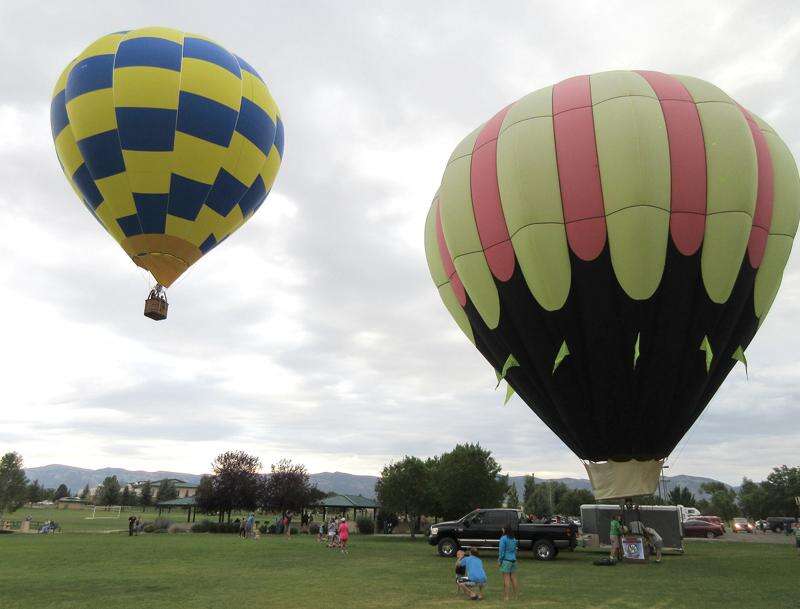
473, 585
288, 524
332, 534
615, 533
344, 534
507, 559
655, 541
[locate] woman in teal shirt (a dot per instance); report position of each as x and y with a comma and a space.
507, 559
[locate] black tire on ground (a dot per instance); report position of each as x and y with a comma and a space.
544, 549
447, 547
710, 535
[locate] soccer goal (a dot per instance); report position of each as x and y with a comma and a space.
105, 511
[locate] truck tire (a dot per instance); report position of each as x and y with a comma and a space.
544, 549
447, 547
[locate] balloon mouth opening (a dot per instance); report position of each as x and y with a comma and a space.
148, 252
624, 479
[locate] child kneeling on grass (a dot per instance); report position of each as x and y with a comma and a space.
476, 576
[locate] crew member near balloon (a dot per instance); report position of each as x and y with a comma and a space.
611, 245
170, 141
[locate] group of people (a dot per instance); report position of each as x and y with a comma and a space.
135, 525
650, 535
471, 576
334, 534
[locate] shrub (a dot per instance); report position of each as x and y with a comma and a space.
161, 524
365, 525
206, 526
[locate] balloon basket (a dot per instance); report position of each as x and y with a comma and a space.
156, 305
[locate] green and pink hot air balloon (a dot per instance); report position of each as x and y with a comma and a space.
611, 245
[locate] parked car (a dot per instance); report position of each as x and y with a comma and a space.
742, 525
701, 528
711, 519
481, 529
778, 524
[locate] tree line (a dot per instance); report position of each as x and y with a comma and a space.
461, 480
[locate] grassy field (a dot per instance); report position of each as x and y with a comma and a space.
198, 571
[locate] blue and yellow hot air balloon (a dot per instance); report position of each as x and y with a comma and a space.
170, 141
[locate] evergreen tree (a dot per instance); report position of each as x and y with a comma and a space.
13, 483
85, 493
512, 498
167, 491
109, 491
146, 495
61, 491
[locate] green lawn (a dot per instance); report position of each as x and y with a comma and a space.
197, 571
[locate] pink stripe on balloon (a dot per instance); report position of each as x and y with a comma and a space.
486, 206
447, 260
762, 217
687, 158
578, 169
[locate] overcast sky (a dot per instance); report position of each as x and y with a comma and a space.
315, 332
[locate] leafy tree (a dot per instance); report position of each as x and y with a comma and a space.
527, 489
35, 492
109, 491
681, 495
405, 487
125, 498
237, 483
570, 503
545, 497
13, 483
61, 491
85, 493
649, 500
722, 501
703, 506
204, 496
167, 491
712, 487
782, 486
512, 498
466, 478
146, 494
753, 499
288, 487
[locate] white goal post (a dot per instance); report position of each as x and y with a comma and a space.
106, 511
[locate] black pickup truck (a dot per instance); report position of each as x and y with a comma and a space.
481, 529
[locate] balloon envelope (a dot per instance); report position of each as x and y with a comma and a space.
614, 242
170, 141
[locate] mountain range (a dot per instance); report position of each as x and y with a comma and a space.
50, 476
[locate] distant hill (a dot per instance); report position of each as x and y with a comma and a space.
345, 484
338, 482
50, 476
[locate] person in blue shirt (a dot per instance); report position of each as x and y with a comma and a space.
507, 559
475, 580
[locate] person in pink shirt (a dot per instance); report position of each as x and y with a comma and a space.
344, 533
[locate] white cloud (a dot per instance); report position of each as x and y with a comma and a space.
315, 332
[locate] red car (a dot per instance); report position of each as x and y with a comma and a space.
701, 528
712, 520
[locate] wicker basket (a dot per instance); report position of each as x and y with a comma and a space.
156, 308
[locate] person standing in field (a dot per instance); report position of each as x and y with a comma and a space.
615, 533
797, 537
344, 534
248, 525
287, 524
507, 559
131, 524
